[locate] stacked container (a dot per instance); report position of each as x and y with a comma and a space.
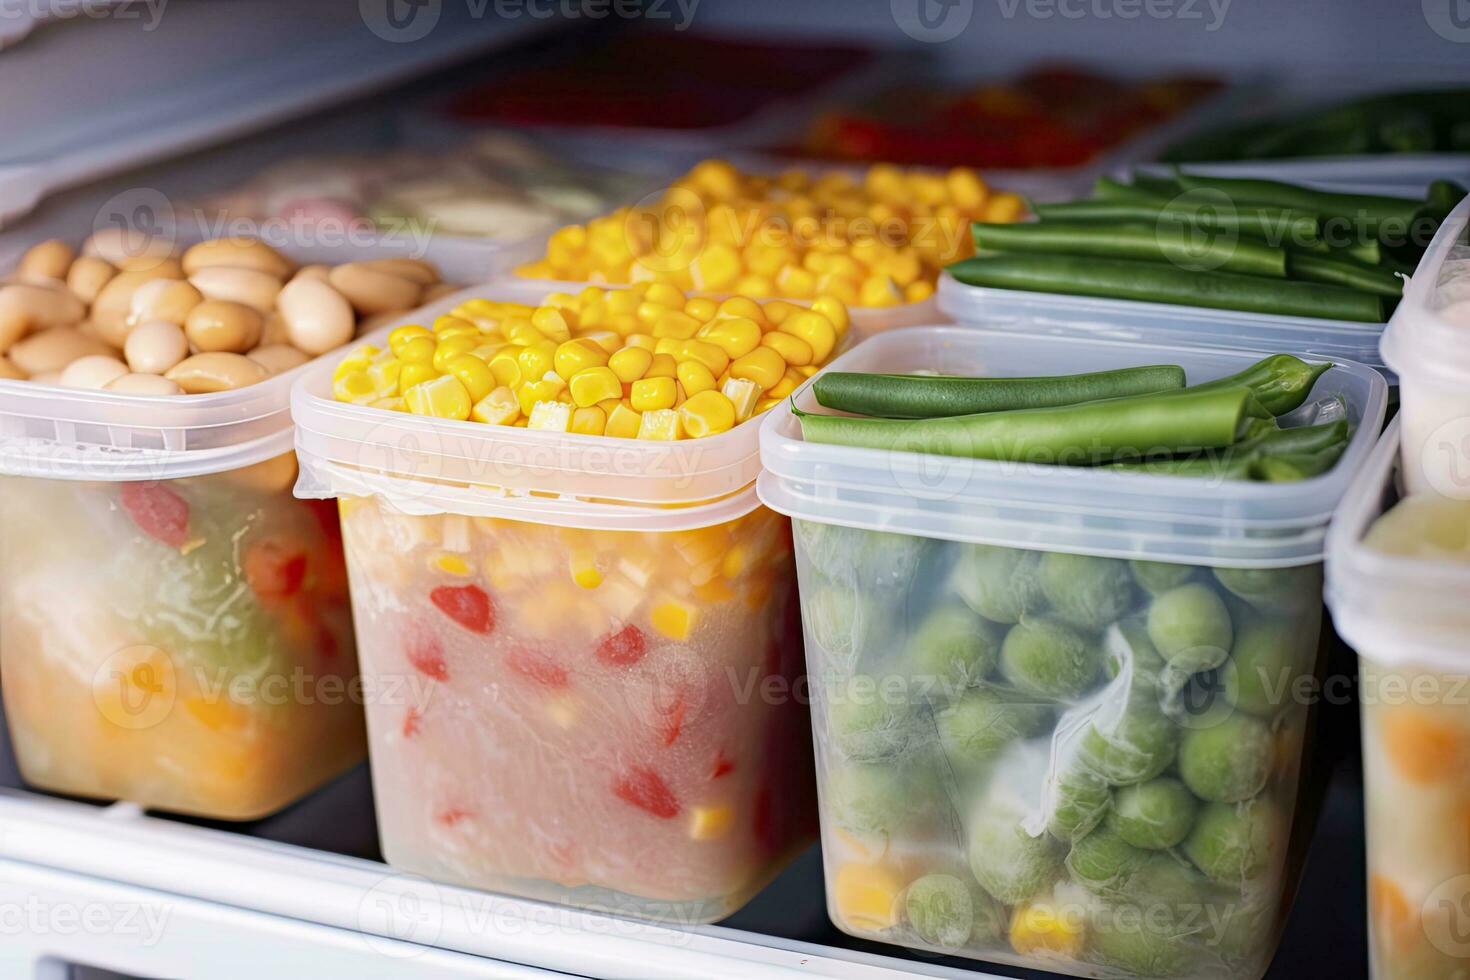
1128, 810
595, 643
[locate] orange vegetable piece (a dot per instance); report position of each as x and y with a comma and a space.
1422, 749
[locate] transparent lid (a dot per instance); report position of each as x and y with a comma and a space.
1394, 609
1419, 341
1074, 509
341, 445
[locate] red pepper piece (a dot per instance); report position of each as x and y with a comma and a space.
671, 723
427, 657
722, 766
624, 648
274, 570
645, 789
537, 667
158, 511
467, 605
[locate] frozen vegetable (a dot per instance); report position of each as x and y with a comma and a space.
1266, 657
1153, 238
1228, 760
878, 240
983, 721
1001, 584
1086, 592
1139, 946
1191, 627
942, 910
1010, 863
1153, 815
1156, 577
224, 314
1136, 745
1235, 842
1103, 862
1272, 590
953, 647
870, 720
1047, 658
645, 362
1081, 801
867, 799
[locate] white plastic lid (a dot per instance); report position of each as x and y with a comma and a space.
1393, 609
1080, 510
1158, 323
51, 432
427, 465
1418, 341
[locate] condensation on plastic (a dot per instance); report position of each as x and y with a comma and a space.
68, 433
1394, 609
428, 465
1432, 359
1158, 323
1081, 510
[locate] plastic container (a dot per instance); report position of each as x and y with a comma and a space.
1397, 175
602, 642
1160, 323
1429, 353
1009, 767
1408, 621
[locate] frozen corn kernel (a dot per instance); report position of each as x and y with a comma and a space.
762, 366
662, 366
630, 363
674, 619
418, 349
707, 414
402, 335
444, 398
1043, 927
550, 417
793, 350
500, 407
448, 349
474, 374
815, 330
544, 390
577, 355
450, 564
623, 423
413, 373
662, 424
710, 822
593, 385
743, 395
355, 387
589, 421
651, 394
583, 562
865, 897
694, 378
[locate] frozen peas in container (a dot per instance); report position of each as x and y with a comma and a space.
591, 618
1052, 705
1398, 571
175, 625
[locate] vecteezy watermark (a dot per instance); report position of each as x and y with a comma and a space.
150, 12
932, 21
1211, 13
1445, 915
1445, 459
35, 917
1450, 19
403, 21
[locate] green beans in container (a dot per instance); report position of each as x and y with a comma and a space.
1059, 711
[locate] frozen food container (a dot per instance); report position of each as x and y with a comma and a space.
1404, 612
596, 641
1058, 711
1425, 345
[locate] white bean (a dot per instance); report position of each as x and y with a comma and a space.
87, 276
118, 244
143, 384
25, 307
169, 300
52, 350
48, 260
215, 371
153, 348
113, 305
9, 372
372, 291
414, 270
318, 318
218, 324
249, 286
239, 253
316, 270
92, 371
278, 358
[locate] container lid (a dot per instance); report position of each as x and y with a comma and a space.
48, 431
1393, 609
1394, 174
1081, 510
1418, 340
429, 465
1158, 323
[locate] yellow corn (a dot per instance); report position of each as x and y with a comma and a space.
544, 390
355, 387
594, 384
661, 424
402, 335
662, 366
630, 363
474, 374
413, 373
584, 568
550, 416
536, 360
694, 377
651, 394
707, 414
743, 395
793, 349
448, 349
443, 398
575, 355
623, 422
674, 618
500, 407
1043, 927
762, 365
590, 421
418, 349
710, 822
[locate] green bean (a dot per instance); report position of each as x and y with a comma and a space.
1304, 450
1282, 382
1288, 467
1086, 433
1153, 282
1373, 210
1171, 242
1366, 252
914, 396
1310, 267
1273, 224
1108, 189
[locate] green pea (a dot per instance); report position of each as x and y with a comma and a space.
941, 909
870, 560
1103, 862
985, 720
1010, 864
1153, 815
1128, 941
1156, 577
1046, 657
1135, 744
1127, 642
1081, 801
1279, 590
867, 799
1228, 761
1191, 627
869, 719
953, 648
1084, 591
1170, 886
1235, 842
1001, 584
1269, 655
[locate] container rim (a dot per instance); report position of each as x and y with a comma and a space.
1418, 341
1059, 508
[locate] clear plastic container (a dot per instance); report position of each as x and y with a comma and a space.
1038, 741
175, 626
1407, 619
602, 641
1161, 323
1394, 174
1431, 356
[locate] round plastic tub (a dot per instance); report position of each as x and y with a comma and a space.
175, 625
1042, 735
1408, 621
1158, 323
1432, 359
598, 644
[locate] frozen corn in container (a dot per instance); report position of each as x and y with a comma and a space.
1425, 344
597, 637
1397, 578
1058, 711
175, 627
